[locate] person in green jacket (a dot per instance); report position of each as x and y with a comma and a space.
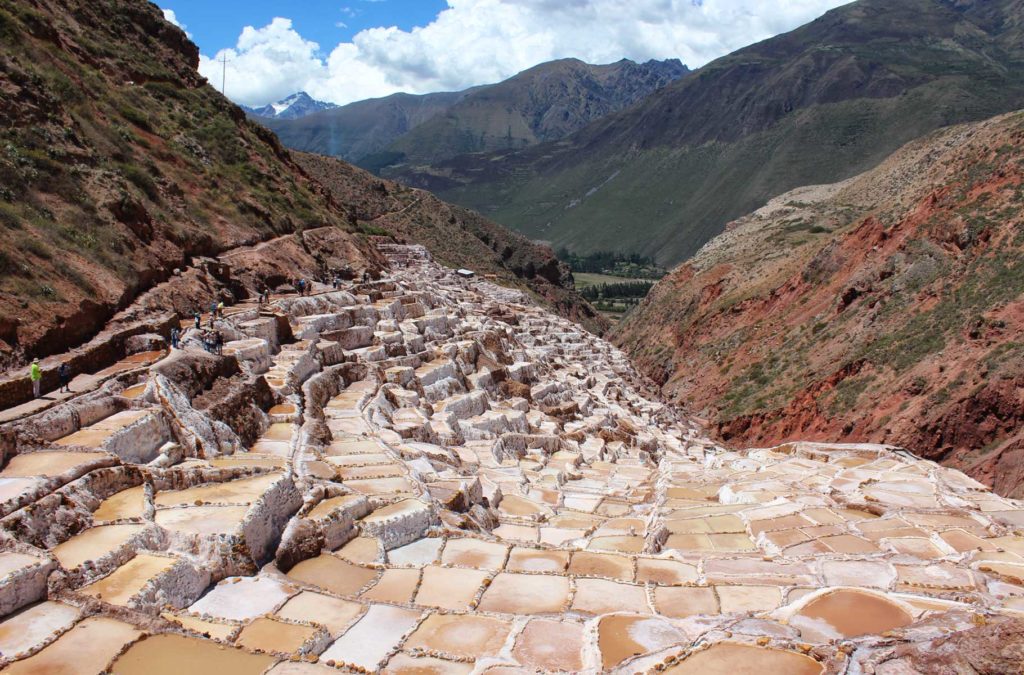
35, 374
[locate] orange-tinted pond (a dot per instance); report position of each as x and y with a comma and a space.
171, 654
731, 658
851, 613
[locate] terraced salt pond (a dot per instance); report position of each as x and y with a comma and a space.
449, 479
124, 505
94, 543
87, 648
124, 583
170, 654
241, 491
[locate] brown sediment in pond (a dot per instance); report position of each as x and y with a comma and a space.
334, 614
279, 431
360, 550
531, 560
333, 574
550, 645
526, 594
219, 631
395, 585
404, 664
171, 654
460, 635
468, 552
851, 613
620, 637
31, 626
274, 636
130, 503
94, 543
47, 463
449, 587
601, 565
513, 505
133, 392
733, 658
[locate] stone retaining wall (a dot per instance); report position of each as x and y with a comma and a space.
102, 351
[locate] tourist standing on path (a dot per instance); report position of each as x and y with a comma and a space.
64, 372
218, 342
36, 375
175, 335
199, 320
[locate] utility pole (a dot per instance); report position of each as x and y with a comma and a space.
223, 73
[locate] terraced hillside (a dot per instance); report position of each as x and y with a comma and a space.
455, 236
429, 474
885, 308
820, 104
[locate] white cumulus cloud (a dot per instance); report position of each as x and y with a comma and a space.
172, 18
480, 41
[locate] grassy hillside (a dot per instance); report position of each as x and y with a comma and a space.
887, 308
120, 164
822, 103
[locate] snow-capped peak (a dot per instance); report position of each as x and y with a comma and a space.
293, 107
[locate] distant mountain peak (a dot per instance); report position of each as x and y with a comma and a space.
292, 107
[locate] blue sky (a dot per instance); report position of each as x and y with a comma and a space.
216, 24
348, 50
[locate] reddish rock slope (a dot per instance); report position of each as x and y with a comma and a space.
885, 308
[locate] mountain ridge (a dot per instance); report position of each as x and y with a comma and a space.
824, 102
540, 103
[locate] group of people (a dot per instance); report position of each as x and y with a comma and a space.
213, 341
302, 287
35, 375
